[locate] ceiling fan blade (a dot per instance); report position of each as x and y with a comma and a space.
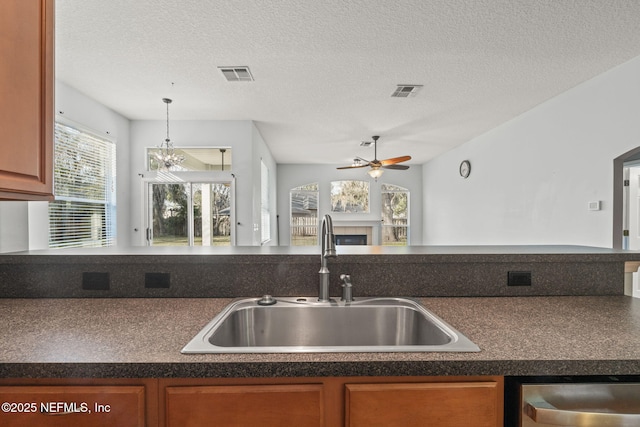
364, 165
399, 167
394, 160
358, 162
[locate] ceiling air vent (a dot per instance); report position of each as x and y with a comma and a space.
405, 91
237, 74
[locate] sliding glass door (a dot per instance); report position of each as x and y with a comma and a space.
189, 214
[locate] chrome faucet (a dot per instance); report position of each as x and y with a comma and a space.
328, 248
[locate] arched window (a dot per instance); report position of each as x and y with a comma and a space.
304, 215
395, 215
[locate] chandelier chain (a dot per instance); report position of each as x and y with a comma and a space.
168, 122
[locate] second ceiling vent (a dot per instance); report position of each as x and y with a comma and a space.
405, 91
237, 74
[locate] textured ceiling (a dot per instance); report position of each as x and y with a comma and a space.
325, 69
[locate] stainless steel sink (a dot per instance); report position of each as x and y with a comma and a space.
304, 325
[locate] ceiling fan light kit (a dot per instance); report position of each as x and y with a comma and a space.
378, 165
375, 173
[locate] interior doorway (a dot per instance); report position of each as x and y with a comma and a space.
626, 200
631, 223
631, 235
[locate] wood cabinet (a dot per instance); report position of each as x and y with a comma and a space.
333, 402
79, 402
245, 405
26, 99
58, 406
265, 402
446, 404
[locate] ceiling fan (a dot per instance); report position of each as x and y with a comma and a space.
377, 165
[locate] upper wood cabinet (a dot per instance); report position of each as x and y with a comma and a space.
26, 99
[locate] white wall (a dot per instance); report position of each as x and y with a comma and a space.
14, 226
38, 214
24, 226
532, 177
294, 175
247, 147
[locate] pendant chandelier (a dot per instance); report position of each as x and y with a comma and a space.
166, 154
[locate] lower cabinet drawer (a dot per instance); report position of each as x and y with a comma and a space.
297, 405
78, 406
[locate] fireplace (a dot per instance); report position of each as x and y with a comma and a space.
350, 234
351, 239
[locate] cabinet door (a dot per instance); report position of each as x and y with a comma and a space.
26, 99
78, 406
423, 404
297, 405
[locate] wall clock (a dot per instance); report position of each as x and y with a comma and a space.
465, 168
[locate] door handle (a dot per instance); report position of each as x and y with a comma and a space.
543, 412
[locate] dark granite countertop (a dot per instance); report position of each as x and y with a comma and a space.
127, 337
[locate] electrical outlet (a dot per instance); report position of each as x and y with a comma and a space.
519, 278
157, 280
95, 281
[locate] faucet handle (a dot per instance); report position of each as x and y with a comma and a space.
347, 288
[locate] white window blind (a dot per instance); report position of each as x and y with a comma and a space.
83, 213
264, 203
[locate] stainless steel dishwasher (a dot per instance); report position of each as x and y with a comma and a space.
597, 404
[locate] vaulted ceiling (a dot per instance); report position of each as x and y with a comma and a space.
324, 70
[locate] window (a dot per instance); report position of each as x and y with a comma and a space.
195, 159
84, 210
264, 204
304, 215
350, 196
212, 213
395, 215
